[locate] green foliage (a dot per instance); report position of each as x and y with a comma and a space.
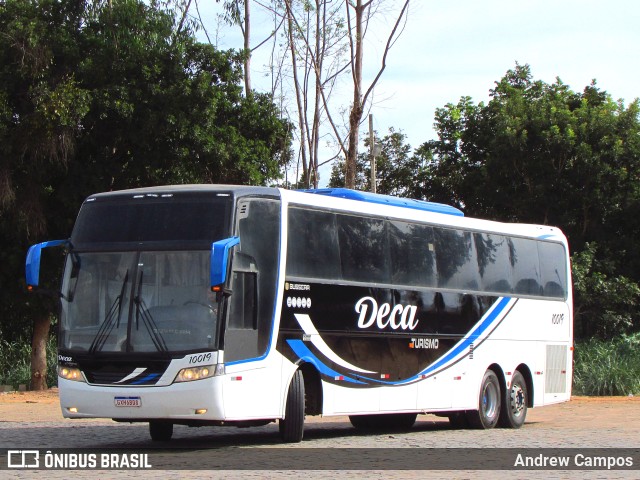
541, 153
607, 367
98, 96
608, 301
15, 363
398, 172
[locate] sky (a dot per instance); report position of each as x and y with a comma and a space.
455, 48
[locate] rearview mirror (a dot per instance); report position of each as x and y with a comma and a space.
32, 265
220, 259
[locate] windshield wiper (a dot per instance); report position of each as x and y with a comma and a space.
108, 323
147, 320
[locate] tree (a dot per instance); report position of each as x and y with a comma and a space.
316, 42
103, 96
323, 43
361, 10
541, 153
398, 171
238, 12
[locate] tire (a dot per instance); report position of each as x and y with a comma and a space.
458, 420
514, 403
292, 425
402, 421
362, 422
390, 421
489, 402
160, 431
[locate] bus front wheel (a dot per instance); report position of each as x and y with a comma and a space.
292, 425
489, 403
160, 431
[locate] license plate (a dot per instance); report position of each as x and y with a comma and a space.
128, 401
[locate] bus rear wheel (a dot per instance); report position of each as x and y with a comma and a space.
489, 403
160, 431
292, 425
514, 408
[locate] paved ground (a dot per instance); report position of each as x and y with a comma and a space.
34, 421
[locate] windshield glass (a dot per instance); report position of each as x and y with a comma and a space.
183, 221
137, 302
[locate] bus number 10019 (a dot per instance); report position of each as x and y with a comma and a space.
203, 357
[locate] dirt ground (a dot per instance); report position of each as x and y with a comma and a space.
43, 406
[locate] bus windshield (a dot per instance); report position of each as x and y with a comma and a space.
137, 276
138, 302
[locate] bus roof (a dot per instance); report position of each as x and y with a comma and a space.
387, 200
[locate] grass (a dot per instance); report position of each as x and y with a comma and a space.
607, 367
15, 363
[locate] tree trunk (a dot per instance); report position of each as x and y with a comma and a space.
39, 353
356, 108
299, 102
247, 49
352, 153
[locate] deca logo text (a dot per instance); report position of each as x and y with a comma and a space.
401, 317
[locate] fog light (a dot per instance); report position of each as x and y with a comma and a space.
201, 411
72, 409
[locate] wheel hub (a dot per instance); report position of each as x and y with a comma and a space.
517, 400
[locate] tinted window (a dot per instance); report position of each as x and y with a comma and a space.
363, 249
553, 269
151, 220
525, 266
456, 260
337, 247
255, 274
313, 244
412, 252
493, 262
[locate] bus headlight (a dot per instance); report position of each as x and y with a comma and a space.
69, 373
195, 373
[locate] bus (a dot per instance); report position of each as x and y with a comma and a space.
235, 305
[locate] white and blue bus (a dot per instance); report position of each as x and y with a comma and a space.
228, 305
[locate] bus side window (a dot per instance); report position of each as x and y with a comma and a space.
363, 249
244, 297
526, 266
553, 268
313, 250
456, 260
254, 277
412, 254
493, 262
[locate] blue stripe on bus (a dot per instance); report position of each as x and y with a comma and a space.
377, 198
303, 352
488, 320
146, 379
